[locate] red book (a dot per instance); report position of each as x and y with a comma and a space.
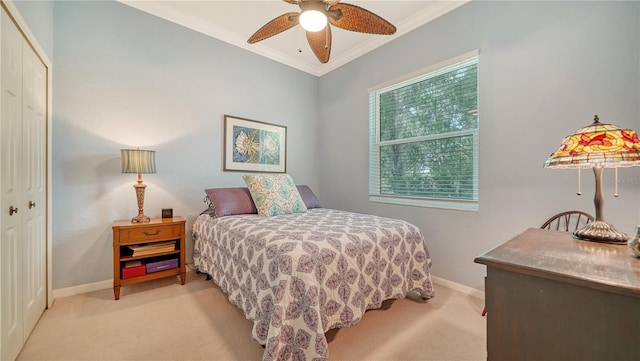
133, 269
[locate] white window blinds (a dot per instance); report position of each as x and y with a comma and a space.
423, 143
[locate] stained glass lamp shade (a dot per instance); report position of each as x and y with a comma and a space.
598, 146
139, 161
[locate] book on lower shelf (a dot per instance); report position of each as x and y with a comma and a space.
133, 269
161, 265
146, 249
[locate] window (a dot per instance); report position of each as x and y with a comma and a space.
423, 137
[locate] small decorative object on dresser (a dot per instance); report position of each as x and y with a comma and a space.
147, 251
167, 212
634, 243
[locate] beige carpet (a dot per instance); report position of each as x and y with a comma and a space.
162, 320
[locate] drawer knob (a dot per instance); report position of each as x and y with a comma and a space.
147, 233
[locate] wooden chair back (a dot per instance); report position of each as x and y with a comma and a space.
569, 221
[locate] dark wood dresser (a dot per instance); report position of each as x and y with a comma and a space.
552, 297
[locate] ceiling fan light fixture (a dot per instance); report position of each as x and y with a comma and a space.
318, 15
313, 20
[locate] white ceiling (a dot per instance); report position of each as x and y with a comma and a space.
235, 21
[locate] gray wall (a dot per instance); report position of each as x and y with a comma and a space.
545, 69
39, 17
123, 79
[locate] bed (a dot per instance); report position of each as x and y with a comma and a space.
296, 276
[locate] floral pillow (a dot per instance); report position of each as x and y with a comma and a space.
274, 194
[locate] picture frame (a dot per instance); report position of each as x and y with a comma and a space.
254, 146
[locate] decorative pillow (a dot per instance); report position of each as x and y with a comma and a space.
309, 198
274, 194
230, 201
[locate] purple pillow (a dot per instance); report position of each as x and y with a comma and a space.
310, 200
230, 201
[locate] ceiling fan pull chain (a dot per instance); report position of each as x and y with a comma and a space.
326, 37
300, 40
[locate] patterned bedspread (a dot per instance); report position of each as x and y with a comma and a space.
297, 276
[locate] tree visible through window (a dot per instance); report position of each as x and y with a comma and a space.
424, 137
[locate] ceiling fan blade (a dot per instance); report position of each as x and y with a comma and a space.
355, 18
320, 42
274, 27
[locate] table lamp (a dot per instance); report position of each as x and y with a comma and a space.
598, 146
139, 161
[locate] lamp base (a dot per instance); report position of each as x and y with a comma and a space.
139, 187
140, 218
600, 231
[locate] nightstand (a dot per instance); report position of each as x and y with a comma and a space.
156, 247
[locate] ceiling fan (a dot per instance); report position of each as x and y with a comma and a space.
314, 16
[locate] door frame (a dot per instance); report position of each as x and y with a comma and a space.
31, 39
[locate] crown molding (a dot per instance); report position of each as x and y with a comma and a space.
429, 13
433, 11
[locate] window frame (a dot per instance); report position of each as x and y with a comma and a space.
375, 144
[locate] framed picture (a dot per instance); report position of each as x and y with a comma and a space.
253, 146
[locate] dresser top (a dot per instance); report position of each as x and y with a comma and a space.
558, 256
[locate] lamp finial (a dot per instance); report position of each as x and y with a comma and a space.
596, 119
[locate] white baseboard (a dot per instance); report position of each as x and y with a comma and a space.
88, 287
80, 289
473, 292
106, 284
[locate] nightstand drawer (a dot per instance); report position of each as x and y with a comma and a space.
149, 234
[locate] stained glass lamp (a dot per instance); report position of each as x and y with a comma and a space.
139, 161
598, 146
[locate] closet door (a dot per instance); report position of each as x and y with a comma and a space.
23, 131
11, 189
34, 90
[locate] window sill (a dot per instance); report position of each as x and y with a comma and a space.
469, 206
